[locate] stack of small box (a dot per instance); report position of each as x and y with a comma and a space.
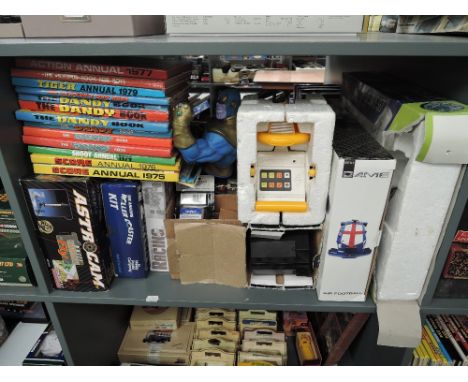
216, 340
158, 336
100, 120
262, 343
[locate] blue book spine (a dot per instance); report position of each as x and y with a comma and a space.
88, 88
77, 120
109, 97
89, 102
123, 210
135, 133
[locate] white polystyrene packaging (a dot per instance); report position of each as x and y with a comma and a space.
416, 214
312, 116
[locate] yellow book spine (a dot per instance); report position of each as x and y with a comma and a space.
435, 346
104, 163
425, 355
94, 172
435, 360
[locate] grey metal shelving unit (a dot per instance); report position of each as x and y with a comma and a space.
91, 325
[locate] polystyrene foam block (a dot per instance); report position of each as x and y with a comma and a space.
415, 217
320, 152
315, 117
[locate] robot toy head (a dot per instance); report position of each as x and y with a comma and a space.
227, 104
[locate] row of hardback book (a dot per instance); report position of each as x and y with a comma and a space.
100, 119
444, 342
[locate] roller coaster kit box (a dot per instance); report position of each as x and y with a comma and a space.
68, 217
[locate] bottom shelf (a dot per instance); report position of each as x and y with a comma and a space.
160, 289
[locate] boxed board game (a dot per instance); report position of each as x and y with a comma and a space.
68, 218
360, 182
456, 266
123, 209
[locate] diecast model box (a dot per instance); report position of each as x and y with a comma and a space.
360, 181
68, 218
154, 318
123, 209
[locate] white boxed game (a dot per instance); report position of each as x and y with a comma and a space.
359, 186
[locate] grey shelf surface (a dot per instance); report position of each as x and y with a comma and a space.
446, 306
365, 44
26, 293
159, 289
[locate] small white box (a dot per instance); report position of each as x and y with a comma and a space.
191, 24
360, 182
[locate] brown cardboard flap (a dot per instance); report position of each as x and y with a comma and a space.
212, 252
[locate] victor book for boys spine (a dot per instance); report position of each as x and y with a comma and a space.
82, 87
64, 120
138, 115
123, 210
99, 79
164, 152
96, 137
99, 155
95, 172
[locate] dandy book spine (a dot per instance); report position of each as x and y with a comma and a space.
102, 103
82, 87
164, 152
161, 176
61, 120
97, 137
164, 101
104, 163
125, 227
138, 115
88, 78
100, 155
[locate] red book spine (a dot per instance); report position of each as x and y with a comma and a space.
78, 67
89, 78
134, 115
97, 137
162, 152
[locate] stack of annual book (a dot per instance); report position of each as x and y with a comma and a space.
100, 120
444, 342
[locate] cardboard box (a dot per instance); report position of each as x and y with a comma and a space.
84, 26
229, 335
360, 183
11, 30
190, 24
208, 313
15, 269
209, 250
212, 357
154, 318
156, 348
69, 222
273, 359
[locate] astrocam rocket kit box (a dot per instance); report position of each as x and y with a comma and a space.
68, 217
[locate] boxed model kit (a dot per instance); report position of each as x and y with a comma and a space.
68, 218
123, 209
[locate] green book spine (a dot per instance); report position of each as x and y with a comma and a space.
104, 156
